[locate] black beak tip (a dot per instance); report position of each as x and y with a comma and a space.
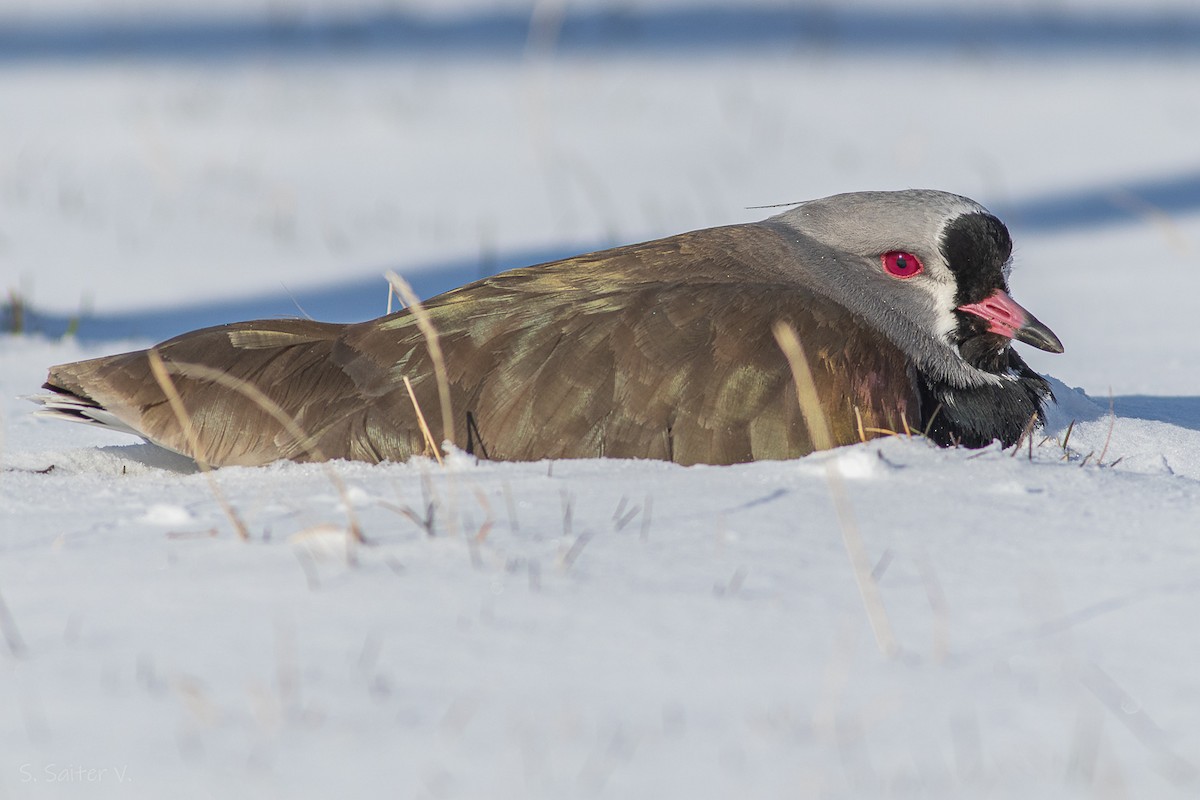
1038, 335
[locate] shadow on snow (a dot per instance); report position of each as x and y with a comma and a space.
1183, 412
365, 297
589, 31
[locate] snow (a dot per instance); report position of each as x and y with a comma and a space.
597, 628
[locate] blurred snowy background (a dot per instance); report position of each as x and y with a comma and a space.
168, 164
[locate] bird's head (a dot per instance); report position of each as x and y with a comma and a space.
929, 269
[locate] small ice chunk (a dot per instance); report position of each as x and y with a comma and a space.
857, 463
167, 514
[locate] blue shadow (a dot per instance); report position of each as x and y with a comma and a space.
1181, 411
509, 33
346, 301
365, 297
1103, 205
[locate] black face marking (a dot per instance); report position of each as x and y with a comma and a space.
976, 247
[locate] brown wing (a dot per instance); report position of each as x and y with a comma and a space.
662, 350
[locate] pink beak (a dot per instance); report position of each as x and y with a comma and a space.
1006, 318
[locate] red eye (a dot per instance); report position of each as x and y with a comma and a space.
901, 265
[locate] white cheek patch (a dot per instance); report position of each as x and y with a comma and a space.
943, 293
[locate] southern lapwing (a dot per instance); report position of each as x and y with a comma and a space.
658, 350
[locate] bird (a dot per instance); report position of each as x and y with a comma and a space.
659, 350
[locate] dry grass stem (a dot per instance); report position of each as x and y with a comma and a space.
822, 437
568, 525
576, 548
391, 294
429, 442
489, 519
622, 516
1112, 422
647, 511
427, 520
937, 604
255, 395
624, 501
862, 432
568, 515
883, 431
513, 524
405, 291
159, 369
806, 388
1027, 431
882, 564
932, 418
16, 312
1067, 439
12, 637
1177, 769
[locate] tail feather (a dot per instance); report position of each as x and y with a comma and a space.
63, 404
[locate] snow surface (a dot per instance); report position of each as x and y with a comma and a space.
596, 628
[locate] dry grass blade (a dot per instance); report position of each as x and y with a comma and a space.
882, 431
406, 293
576, 548
159, 369
429, 442
882, 564
1112, 422
938, 604
623, 516
391, 293
568, 525
932, 418
1067, 440
862, 432
513, 524
806, 387
1026, 431
822, 437
490, 518
255, 395
1179, 770
16, 313
8, 625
